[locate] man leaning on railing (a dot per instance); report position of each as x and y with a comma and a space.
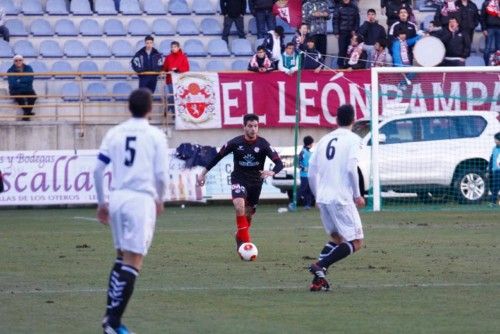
21, 86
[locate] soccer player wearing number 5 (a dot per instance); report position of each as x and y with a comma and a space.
333, 178
137, 153
249, 154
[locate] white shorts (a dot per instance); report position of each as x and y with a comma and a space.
133, 218
341, 219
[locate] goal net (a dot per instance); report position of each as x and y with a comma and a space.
432, 135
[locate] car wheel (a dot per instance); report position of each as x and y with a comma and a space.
470, 186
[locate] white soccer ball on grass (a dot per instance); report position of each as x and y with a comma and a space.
248, 251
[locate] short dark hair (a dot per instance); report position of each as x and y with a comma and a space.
382, 42
308, 140
175, 43
249, 118
279, 30
290, 44
261, 48
149, 38
371, 10
140, 102
497, 136
359, 38
345, 115
310, 39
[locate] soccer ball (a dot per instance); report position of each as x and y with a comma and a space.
248, 251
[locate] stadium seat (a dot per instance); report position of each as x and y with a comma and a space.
194, 48
480, 44
16, 28
239, 65
25, 48
9, 7
62, 66
56, 7
114, 27
97, 91
194, 66
88, 66
122, 48
474, 60
121, 91
50, 49
5, 49
105, 7
215, 66
178, 7
4, 67
252, 26
41, 27
70, 91
424, 24
130, 7
140, 44
163, 27
139, 27
258, 42
286, 27
187, 27
31, 7
329, 26
90, 27
74, 48
98, 48
241, 47
39, 67
164, 47
210, 26
65, 27
114, 66
80, 7
154, 7
218, 48
203, 7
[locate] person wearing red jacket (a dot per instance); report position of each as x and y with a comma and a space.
176, 62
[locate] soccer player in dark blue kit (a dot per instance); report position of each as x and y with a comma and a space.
249, 154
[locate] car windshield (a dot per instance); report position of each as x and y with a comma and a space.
361, 128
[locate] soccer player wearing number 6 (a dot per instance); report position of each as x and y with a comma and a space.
137, 153
333, 178
249, 154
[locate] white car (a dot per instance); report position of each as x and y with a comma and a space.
430, 154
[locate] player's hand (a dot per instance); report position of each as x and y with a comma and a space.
160, 208
266, 173
360, 202
200, 179
103, 214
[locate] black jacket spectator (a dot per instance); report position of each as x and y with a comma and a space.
457, 43
142, 62
233, 8
392, 9
409, 27
22, 85
447, 10
312, 59
261, 4
469, 15
372, 32
488, 21
346, 18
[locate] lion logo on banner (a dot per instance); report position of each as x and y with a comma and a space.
195, 98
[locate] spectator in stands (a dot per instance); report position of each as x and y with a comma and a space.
264, 18
316, 14
448, 9
304, 157
261, 62
301, 36
490, 24
4, 31
313, 59
289, 62
274, 45
495, 59
456, 42
22, 85
345, 23
403, 24
402, 53
233, 11
356, 55
469, 17
381, 57
176, 62
392, 8
117, 5
371, 32
147, 59
494, 170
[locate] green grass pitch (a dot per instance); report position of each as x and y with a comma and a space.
420, 272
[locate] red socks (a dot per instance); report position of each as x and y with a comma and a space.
242, 234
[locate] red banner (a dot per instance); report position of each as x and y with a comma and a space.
289, 10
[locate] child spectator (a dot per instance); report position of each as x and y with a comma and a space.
22, 86
4, 31
316, 14
289, 62
176, 62
494, 170
312, 58
233, 11
456, 43
381, 57
301, 36
304, 157
402, 48
147, 59
490, 24
345, 23
356, 54
260, 62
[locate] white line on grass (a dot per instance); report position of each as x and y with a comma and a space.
87, 219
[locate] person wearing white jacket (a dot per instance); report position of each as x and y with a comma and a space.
4, 31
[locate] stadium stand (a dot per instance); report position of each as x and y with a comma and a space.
210, 26
239, 65
122, 48
32, 7
50, 49
187, 27
88, 66
80, 7
114, 27
25, 48
56, 7
90, 27
105, 7
114, 66
241, 47
216, 66
163, 27
62, 66
130, 7
203, 7
70, 91
9, 7
121, 90
74, 48
194, 48
164, 47
98, 48
97, 91
5, 50
218, 48
65, 27
154, 7
39, 67
178, 7
16, 28
41, 27
194, 66
138, 27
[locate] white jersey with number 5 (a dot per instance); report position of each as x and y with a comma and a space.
331, 162
138, 152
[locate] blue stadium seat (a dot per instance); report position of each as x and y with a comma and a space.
4, 67
194, 48
218, 48
50, 49
194, 66
41, 27
203, 7
164, 47
187, 27
16, 28
139, 27
80, 7
88, 66
239, 65
329, 26
140, 44
424, 24
258, 42
90, 27
9, 7
5, 49
70, 91
474, 60
215, 66
154, 7
114, 27
25, 48
65, 27
163, 27
62, 66
252, 26
39, 67
98, 48
130, 7
241, 47
286, 27
114, 66
210, 26
97, 91
56, 7
74, 48
121, 91
122, 48
105, 7
178, 7
31, 7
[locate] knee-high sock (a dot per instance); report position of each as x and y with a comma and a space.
115, 272
120, 293
341, 251
327, 250
242, 224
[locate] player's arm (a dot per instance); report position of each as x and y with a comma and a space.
278, 164
313, 171
353, 177
161, 167
225, 150
102, 207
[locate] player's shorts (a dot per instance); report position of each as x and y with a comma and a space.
133, 218
341, 219
250, 193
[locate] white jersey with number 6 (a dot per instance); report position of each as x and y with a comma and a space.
138, 153
332, 162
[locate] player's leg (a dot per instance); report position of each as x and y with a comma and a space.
239, 195
253, 195
115, 269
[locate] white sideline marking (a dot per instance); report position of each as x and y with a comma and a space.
259, 288
87, 219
